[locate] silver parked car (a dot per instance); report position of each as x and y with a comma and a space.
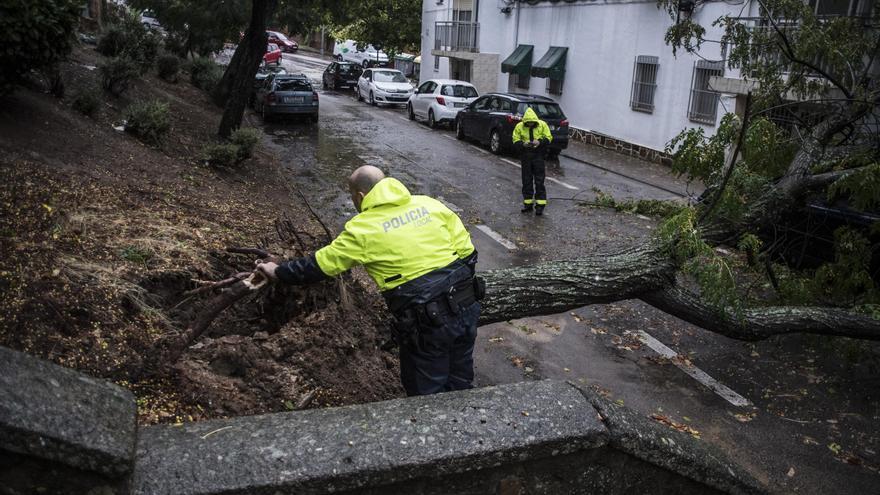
287, 94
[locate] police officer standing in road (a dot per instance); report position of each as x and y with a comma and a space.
420, 255
531, 137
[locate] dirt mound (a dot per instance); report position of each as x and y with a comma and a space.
101, 236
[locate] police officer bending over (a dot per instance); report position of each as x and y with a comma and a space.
421, 257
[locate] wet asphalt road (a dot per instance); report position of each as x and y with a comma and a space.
815, 415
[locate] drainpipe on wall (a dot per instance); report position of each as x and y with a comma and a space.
516, 28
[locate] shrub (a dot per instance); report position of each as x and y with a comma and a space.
34, 36
204, 73
117, 74
149, 120
246, 140
146, 50
221, 155
86, 102
169, 66
113, 41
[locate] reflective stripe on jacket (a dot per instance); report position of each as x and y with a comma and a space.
397, 237
541, 131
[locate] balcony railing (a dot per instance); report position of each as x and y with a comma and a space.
457, 36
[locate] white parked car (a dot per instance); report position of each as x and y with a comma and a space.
347, 51
440, 100
383, 86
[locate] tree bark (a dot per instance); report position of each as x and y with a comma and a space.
559, 286
646, 274
239, 76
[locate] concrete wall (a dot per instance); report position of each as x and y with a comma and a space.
62, 432
603, 39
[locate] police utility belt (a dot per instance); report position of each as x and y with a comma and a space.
459, 295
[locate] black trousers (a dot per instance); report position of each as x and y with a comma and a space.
441, 358
533, 190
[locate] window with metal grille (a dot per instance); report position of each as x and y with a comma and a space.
644, 83
519, 81
554, 86
436, 64
703, 105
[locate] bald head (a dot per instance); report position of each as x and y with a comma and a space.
364, 178
362, 181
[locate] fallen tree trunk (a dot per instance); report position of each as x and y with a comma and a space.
559, 286
763, 322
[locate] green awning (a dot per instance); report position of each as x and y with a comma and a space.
519, 62
552, 64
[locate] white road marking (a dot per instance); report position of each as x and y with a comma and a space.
447, 136
517, 165
694, 372
496, 236
563, 184
450, 205
403, 118
481, 150
551, 179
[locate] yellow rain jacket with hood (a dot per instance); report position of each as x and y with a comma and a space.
397, 237
524, 134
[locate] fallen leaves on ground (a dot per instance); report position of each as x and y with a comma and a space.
675, 425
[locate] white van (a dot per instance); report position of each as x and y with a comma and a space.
346, 50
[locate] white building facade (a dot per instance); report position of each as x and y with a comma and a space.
605, 62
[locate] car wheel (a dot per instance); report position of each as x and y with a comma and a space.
495, 142
372, 100
314, 119
431, 122
459, 129
409, 112
264, 114
324, 83
339, 58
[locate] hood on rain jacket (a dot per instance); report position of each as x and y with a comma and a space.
523, 134
397, 237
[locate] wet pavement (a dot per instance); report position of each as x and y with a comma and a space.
813, 422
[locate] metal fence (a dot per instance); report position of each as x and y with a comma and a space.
703, 105
457, 36
644, 83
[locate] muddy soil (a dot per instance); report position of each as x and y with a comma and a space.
101, 235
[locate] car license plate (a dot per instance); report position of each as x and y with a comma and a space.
460, 105
294, 99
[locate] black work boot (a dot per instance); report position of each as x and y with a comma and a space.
539, 210
526, 208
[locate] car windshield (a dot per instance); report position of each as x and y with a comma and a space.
280, 36
292, 85
388, 76
459, 90
544, 110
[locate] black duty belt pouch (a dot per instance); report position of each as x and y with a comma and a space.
479, 288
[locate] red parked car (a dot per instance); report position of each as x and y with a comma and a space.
286, 44
273, 54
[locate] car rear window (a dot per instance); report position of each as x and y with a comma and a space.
544, 110
347, 68
388, 76
458, 90
292, 85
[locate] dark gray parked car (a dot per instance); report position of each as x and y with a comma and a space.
287, 94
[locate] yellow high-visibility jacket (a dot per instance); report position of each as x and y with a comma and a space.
398, 237
521, 132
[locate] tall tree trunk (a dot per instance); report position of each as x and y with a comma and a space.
239, 77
